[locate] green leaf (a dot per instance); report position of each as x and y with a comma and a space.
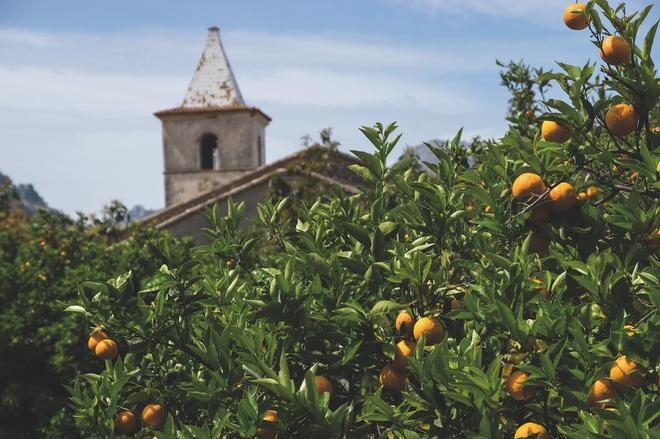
362, 172
76, 308
385, 306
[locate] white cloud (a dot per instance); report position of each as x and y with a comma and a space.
36, 89
76, 108
538, 11
28, 38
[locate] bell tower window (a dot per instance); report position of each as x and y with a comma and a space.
209, 155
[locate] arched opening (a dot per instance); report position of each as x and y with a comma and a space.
209, 156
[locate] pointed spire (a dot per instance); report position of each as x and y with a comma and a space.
213, 84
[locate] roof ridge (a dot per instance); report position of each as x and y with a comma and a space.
172, 211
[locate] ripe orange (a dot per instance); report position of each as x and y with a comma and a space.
404, 323
626, 373
95, 338
615, 50
106, 349
529, 114
403, 350
539, 215
539, 242
431, 328
267, 431
392, 379
323, 385
621, 119
153, 415
630, 330
593, 192
126, 422
576, 20
582, 197
527, 184
270, 416
562, 197
600, 391
552, 131
516, 388
531, 430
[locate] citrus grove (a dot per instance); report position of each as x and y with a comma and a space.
513, 294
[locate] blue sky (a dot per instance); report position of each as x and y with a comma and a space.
79, 80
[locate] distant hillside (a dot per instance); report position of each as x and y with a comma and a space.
424, 154
139, 211
29, 199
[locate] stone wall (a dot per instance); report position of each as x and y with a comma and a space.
241, 146
192, 225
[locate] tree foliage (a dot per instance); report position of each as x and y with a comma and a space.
218, 344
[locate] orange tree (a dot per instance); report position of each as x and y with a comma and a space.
398, 311
43, 260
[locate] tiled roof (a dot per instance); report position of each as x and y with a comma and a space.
176, 212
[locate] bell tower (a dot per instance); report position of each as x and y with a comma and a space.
213, 137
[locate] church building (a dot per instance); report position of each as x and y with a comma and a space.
214, 147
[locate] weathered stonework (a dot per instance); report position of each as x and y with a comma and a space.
213, 106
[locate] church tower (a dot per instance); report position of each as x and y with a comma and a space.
213, 137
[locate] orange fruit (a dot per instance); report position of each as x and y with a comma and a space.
539, 243
539, 215
270, 416
626, 373
126, 422
527, 184
552, 131
431, 328
404, 323
529, 114
323, 385
615, 50
392, 379
95, 338
621, 119
516, 388
576, 20
562, 197
593, 192
106, 349
267, 431
153, 415
403, 350
600, 391
582, 197
531, 430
